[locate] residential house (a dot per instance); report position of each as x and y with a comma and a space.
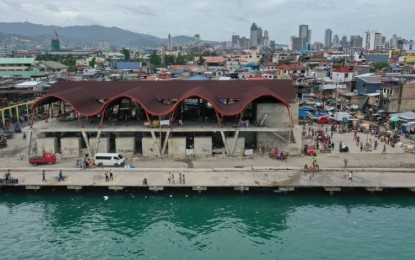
52, 68
232, 65
368, 83
398, 94
215, 63
270, 67
33, 85
342, 74
292, 70
281, 58
248, 56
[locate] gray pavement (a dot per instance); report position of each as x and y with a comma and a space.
371, 169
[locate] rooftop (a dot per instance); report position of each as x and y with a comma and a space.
85, 96
7, 61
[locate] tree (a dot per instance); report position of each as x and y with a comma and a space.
381, 65
181, 59
155, 59
126, 53
92, 62
169, 59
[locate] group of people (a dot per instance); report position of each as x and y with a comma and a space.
85, 163
279, 154
369, 143
109, 175
182, 178
313, 169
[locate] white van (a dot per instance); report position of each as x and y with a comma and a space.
109, 159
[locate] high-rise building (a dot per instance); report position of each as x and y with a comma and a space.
272, 45
336, 40
235, 42
373, 40
343, 42
327, 38
256, 37
309, 36
266, 39
298, 43
394, 41
169, 42
55, 43
305, 33
253, 37
260, 37
244, 42
356, 41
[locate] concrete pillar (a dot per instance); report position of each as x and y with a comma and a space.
239, 146
103, 145
177, 147
70, 147
125, 146
47, 144
203, 146
148, 148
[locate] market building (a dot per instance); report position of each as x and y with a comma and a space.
178, 119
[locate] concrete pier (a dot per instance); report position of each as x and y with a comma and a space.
282, 180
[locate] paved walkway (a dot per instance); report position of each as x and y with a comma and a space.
371, 169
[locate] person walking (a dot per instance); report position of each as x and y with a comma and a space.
351, 176
183, 179
172, 178
106, 176
111, 176
43, 176
169, 177
361, 146
180, 178
345, 163
384, 149
60, 176
314, 159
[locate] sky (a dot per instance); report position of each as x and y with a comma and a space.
218, 20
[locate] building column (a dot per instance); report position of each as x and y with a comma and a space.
87, 142
222, 133
233, 145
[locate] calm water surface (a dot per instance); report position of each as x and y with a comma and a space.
67, 225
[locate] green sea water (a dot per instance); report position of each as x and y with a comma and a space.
69, 225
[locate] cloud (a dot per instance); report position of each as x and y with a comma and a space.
52, 8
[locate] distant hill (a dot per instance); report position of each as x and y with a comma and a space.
81, 35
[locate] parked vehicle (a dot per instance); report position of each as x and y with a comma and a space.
310, 149
7, 133
342, 116
17, 128
46, 158
3, 142
109, 159
323, 119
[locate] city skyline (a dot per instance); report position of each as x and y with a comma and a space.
161, 18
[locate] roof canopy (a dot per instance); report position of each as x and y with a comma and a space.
86, 96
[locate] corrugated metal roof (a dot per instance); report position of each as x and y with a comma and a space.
84, 96
23, 74
17, 60
54, 65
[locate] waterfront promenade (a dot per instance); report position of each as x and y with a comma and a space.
371, 170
